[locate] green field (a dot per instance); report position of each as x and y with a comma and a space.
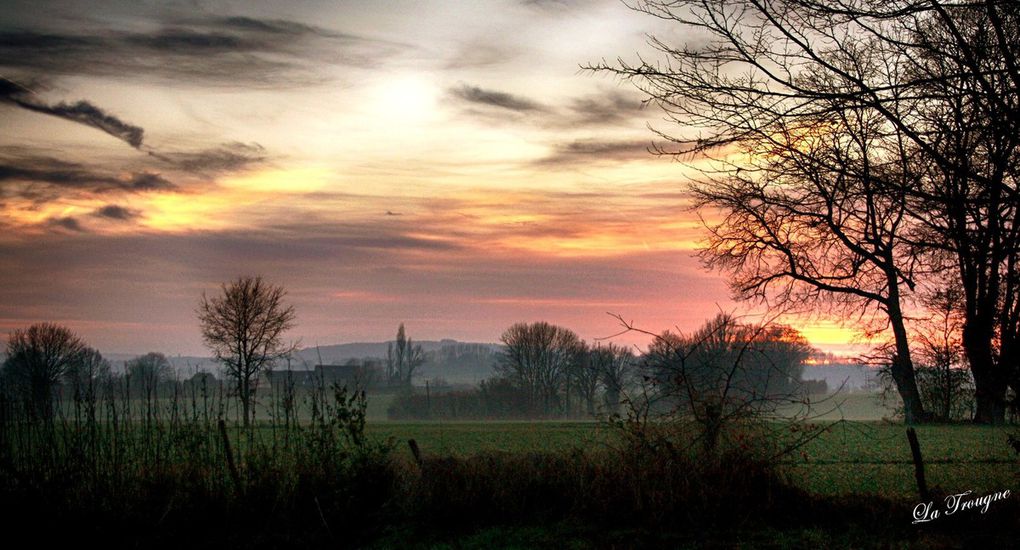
854, 457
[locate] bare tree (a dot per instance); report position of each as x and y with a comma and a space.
583, 378
967, 65
727, 373
614, 365
244, 327
537, 357
854, 142
87, 376
942, 375
403, 357
37, 358
146, 373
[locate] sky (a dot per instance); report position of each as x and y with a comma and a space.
448, 165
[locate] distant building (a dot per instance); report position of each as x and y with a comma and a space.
280, 378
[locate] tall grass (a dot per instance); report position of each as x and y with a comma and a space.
108, 456
177, 467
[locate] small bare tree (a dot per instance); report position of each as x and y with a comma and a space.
37, 358
403, 357
146, 373
244, 327
583, 378
943, 378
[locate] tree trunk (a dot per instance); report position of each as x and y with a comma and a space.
246, 401
613, 400
902, 367
989, 384
42, 400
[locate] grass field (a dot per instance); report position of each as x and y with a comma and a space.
861, 454
854, 457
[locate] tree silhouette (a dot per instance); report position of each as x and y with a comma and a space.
727, 373
243, 327
537, 357
853, 148
403, 357
37, 358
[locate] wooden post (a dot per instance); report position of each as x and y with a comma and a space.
415, 451
915, 450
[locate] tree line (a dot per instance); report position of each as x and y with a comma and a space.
726, 369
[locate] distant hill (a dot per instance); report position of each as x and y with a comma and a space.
340, 353
442, 363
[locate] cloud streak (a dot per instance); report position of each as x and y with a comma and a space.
494, 98
607, 108
42, 179
585, 152
228, 157
217, 51
81, 112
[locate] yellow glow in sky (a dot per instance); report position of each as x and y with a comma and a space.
282, 181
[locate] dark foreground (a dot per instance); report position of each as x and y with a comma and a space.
377, 496
186, 478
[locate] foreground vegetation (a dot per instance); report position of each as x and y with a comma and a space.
850, 458
176, 471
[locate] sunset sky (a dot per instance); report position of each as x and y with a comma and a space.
442, 164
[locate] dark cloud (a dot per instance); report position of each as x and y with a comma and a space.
116, 212
53, 171
589, 151
282, 28
549, 4
228, 157
150, 181
42, 178
81, 112
495, 98
178, 41
611, 108
67, 222
225, 50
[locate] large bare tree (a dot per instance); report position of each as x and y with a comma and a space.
968, 73
855, 146
243, 327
